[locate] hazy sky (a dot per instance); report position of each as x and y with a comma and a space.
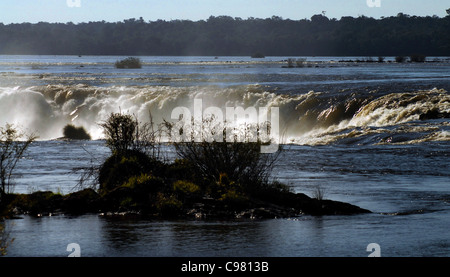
18, 11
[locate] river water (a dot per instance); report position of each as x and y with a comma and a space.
353, 129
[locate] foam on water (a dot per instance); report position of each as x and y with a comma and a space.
311, 118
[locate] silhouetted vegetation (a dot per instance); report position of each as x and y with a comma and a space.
121, 166
130, 62
207, 180
224, 35
72, 132
124, 133
227, 172
417, 58
5, 240
13, 144
242, 164
121, 132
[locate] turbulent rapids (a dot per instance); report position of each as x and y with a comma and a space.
326, 101
311, 118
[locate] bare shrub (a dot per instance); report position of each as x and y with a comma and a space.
241, 161
13, 144
124, 132
318, 192
5, 240
134, 145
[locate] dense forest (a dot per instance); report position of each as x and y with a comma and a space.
224, 35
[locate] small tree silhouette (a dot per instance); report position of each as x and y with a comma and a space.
121, 131
13, 145
124, 132
241, 161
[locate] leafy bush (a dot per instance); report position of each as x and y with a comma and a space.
121, 132
230, 192
120, 167
141, 191
129, 62
180, 169
241, 162
234, 199
72, 132
124, 132
168, 205
185, 187
236, 155
145, 184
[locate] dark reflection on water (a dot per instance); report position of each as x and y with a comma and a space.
186, 238
335, 236
99, 236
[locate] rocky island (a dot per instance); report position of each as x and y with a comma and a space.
88, 201
208, 180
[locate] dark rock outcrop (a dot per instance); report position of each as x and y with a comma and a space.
283, 205
84, 201
434, 114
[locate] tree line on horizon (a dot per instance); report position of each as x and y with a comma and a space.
225, 35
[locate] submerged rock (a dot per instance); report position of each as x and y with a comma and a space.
434, 114
286, 206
